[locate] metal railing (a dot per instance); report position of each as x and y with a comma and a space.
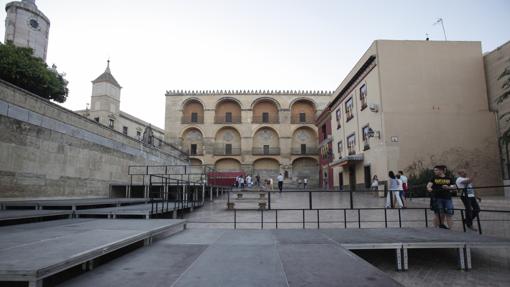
307, 151
222, 150
298, 120
234, 119
191, 120
489, 221
271, 119
265, 151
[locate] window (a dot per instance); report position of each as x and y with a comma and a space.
303, 148
351, 144
138, 134
302, 117
265, 117
228, 149
96, 119
266, 149
194, 117
228, 117
363, 96
193, 149
125, 130
340, 147
365, 130
324, 135
348, 109
338, 125
111, 124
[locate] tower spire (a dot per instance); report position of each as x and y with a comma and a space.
108, 66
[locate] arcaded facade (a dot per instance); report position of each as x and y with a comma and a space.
257, 132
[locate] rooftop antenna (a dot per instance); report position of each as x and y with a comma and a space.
440, 21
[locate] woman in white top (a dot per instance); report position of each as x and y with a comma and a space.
393, 190
375, 183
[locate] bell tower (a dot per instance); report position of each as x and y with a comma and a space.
27, 26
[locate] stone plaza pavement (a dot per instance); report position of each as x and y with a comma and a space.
428, 267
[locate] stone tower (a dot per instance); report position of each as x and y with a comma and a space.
26, 26
105, 100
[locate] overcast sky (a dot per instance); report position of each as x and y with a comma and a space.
159, 45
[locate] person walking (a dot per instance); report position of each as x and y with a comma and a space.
405, 188
280, 182
270, 181
375, 183
393, 190
257, 180
305, 182
468, 198
439, 187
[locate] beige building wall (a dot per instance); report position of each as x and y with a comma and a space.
282, 130
427, 105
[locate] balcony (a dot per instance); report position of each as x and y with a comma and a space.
307, 151
225, 150
192, 120
296, 119
265, 151
270, 119
227, 119
194, 152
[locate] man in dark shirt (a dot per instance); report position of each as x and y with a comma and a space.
440, 187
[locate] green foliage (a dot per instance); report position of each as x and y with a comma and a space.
418, 181
19, 67
505, 76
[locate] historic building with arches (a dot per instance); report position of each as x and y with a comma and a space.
256, 132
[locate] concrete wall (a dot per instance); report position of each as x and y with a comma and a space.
48, 151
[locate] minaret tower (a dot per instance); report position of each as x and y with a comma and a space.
105, 99
26, 26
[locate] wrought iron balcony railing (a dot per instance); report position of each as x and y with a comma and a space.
305, 151
223, 119
265, 151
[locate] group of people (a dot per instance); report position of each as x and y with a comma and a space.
440, 188
242, 182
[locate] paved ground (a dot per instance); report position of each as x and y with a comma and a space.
430, 267
235, 258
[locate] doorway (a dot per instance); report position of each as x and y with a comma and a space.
341, 180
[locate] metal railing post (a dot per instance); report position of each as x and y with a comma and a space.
350, 199
385, 218
462, 218
269, 200
399, 219
426, 218
479, 224
261, 218
318, 220
235, 219
303, 219
276, 221
310, 200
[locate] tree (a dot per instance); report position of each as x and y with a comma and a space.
19, 67
504, 138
